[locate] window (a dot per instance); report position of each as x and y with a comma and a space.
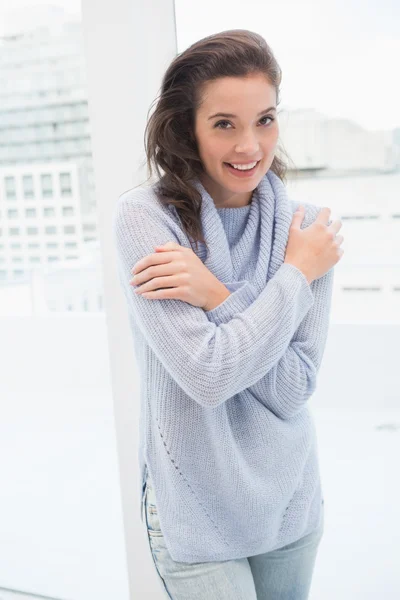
47, 185
67, 211
49, 211
65, 184
12, 213
13, 231
9, 186
27, 186
69, 228
32, 230
30, 212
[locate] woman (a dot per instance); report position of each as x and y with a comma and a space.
229, 335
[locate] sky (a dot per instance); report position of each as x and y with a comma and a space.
340, 56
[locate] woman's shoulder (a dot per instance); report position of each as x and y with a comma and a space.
144, 196
144, 201
140, 210
311, 211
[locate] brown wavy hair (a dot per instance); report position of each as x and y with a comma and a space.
170, 144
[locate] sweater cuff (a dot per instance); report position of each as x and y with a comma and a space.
287, 271
241, 296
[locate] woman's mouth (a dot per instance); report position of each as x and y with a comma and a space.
242, 172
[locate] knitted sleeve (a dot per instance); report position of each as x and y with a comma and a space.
210, 362
292, 380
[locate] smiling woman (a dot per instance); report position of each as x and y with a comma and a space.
224, 113
229, 342
236, 156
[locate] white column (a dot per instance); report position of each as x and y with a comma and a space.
128, 46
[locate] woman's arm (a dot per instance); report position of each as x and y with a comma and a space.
210, 362
289, 384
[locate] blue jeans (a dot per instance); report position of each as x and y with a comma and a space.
283, 574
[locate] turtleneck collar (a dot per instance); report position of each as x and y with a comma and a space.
266, 233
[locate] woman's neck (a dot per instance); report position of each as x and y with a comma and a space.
222, 197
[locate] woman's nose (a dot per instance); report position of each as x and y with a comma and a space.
247, 145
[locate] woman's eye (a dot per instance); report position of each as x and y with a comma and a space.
221, 122
266, 117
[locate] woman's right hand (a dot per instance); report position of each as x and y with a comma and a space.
316, 248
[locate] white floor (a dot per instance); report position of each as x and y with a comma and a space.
72, 522
359, 556
8, 595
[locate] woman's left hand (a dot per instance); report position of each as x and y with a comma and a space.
183, 275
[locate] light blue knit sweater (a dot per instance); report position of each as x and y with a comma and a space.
225, 430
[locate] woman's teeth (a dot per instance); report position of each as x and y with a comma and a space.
243, 167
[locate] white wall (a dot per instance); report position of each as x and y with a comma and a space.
128, 46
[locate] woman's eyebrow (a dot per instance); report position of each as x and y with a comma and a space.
234, 116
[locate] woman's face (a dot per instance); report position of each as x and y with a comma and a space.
245, 131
